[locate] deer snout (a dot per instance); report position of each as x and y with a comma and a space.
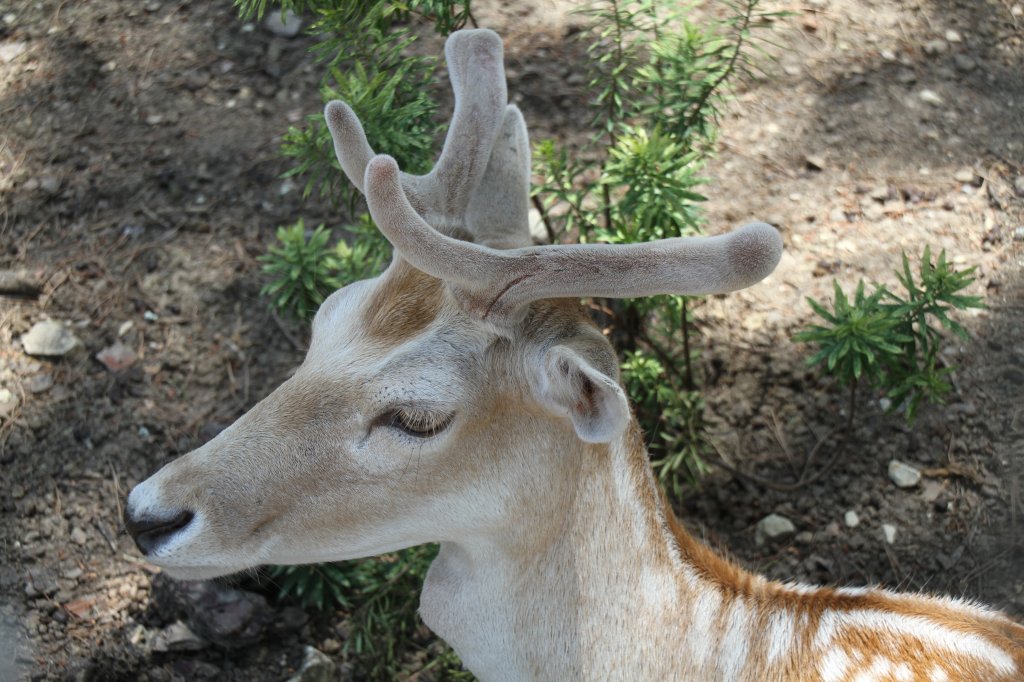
152, 520
150, 531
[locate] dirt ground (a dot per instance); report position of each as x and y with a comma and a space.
140, 179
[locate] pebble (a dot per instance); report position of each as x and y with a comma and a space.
10, 51
117, 357
774, 526
8, 401
964, 63
48, 338
316, 667
903, 475
78, 536
930, 97
814, 162
1018, 185
964, 174
177, 637
49, 184
851, 519
889, 531
954, 36
39, 383
874, 212
936, 47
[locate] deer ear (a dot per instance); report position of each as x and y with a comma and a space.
567, 383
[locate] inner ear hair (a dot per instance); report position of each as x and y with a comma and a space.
578, 377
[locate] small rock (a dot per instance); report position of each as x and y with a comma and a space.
39, 383
78, 536
48, 338
851, 519
965, 174
930, 97
117, 357
874, 212
177, 637
880, 193
40, 583
903, 475
934, 48
8, 401
774, 527
906, 77
331, 646
889, 531
815, 162
316, 667
932, 490
49, 184
1018, 185
150, 316
964, 63
805, 537
884, 403
220, 614
954, 36
283, 24
10, 51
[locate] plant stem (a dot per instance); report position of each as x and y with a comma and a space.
729, 69
850, 408
544, 217
685, 328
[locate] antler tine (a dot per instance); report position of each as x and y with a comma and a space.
350, 144
477, 75
498, 212
497, 283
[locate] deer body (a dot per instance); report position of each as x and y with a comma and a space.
464, 397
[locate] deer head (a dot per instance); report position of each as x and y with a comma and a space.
434, 399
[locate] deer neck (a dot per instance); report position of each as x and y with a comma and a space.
594, 578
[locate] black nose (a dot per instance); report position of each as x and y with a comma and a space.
150, 531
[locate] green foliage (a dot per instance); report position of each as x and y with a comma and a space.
303, 269
657, 83
380, 596
891, 341
679, 437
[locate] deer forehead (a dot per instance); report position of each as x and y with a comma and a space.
396, 337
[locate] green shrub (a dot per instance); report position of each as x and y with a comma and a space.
657, 82
303, 268
891, 341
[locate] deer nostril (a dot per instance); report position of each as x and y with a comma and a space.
150, 531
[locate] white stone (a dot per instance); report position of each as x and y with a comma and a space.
774, 526
48, 338
316, 667
903, 475
954, 36
889, 531
930, 97
851, 519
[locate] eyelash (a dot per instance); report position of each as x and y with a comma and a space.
421, 425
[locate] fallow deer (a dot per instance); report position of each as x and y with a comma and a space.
464, 397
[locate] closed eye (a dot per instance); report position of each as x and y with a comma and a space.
417, 424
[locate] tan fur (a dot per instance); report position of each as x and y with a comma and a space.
403, 306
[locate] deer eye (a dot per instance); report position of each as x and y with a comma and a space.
417, 424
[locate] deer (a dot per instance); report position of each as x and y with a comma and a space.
465, 397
